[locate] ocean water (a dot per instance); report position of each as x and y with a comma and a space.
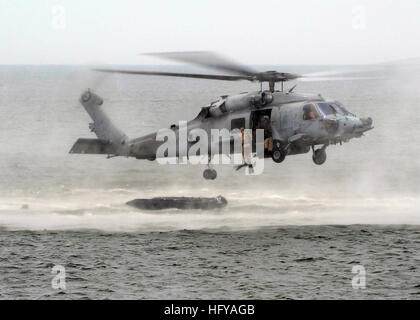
294, 232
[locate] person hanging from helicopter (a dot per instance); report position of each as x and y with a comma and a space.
246, 138
246, 146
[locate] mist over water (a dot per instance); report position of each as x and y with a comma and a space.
47, 194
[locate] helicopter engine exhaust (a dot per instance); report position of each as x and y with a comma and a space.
240, 102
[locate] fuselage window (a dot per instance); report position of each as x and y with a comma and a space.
285, 120
223, 107
326, 109
310, 112
237, 123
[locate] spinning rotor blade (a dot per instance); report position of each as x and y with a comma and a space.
206, 59
176, 74
333, 75
332, 72
317, 79
214, 61
217, 62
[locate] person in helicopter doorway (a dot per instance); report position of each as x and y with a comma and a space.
265, 124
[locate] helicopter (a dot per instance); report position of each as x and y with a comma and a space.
292, 123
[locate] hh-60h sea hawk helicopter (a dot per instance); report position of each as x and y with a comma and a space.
293, 123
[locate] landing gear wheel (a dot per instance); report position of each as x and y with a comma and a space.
278, 153
319, 156
210, 174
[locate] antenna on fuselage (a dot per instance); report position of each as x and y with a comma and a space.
292, 88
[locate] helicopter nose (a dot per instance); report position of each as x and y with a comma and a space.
367, 122
356, 125
350, 124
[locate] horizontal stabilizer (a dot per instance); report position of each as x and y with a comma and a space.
92, 146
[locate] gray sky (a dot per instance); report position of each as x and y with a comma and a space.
252, 32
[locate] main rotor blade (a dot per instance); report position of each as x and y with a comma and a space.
334, 72
207, 59
336, 75
176, 74
318, 79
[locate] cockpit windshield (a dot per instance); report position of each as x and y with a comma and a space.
341, 109
335, 107
326, 109
338, 109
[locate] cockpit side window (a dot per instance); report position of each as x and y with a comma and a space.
310, 112
326, 109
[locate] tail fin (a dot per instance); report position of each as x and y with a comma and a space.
111, 139
92, 146
102, 125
